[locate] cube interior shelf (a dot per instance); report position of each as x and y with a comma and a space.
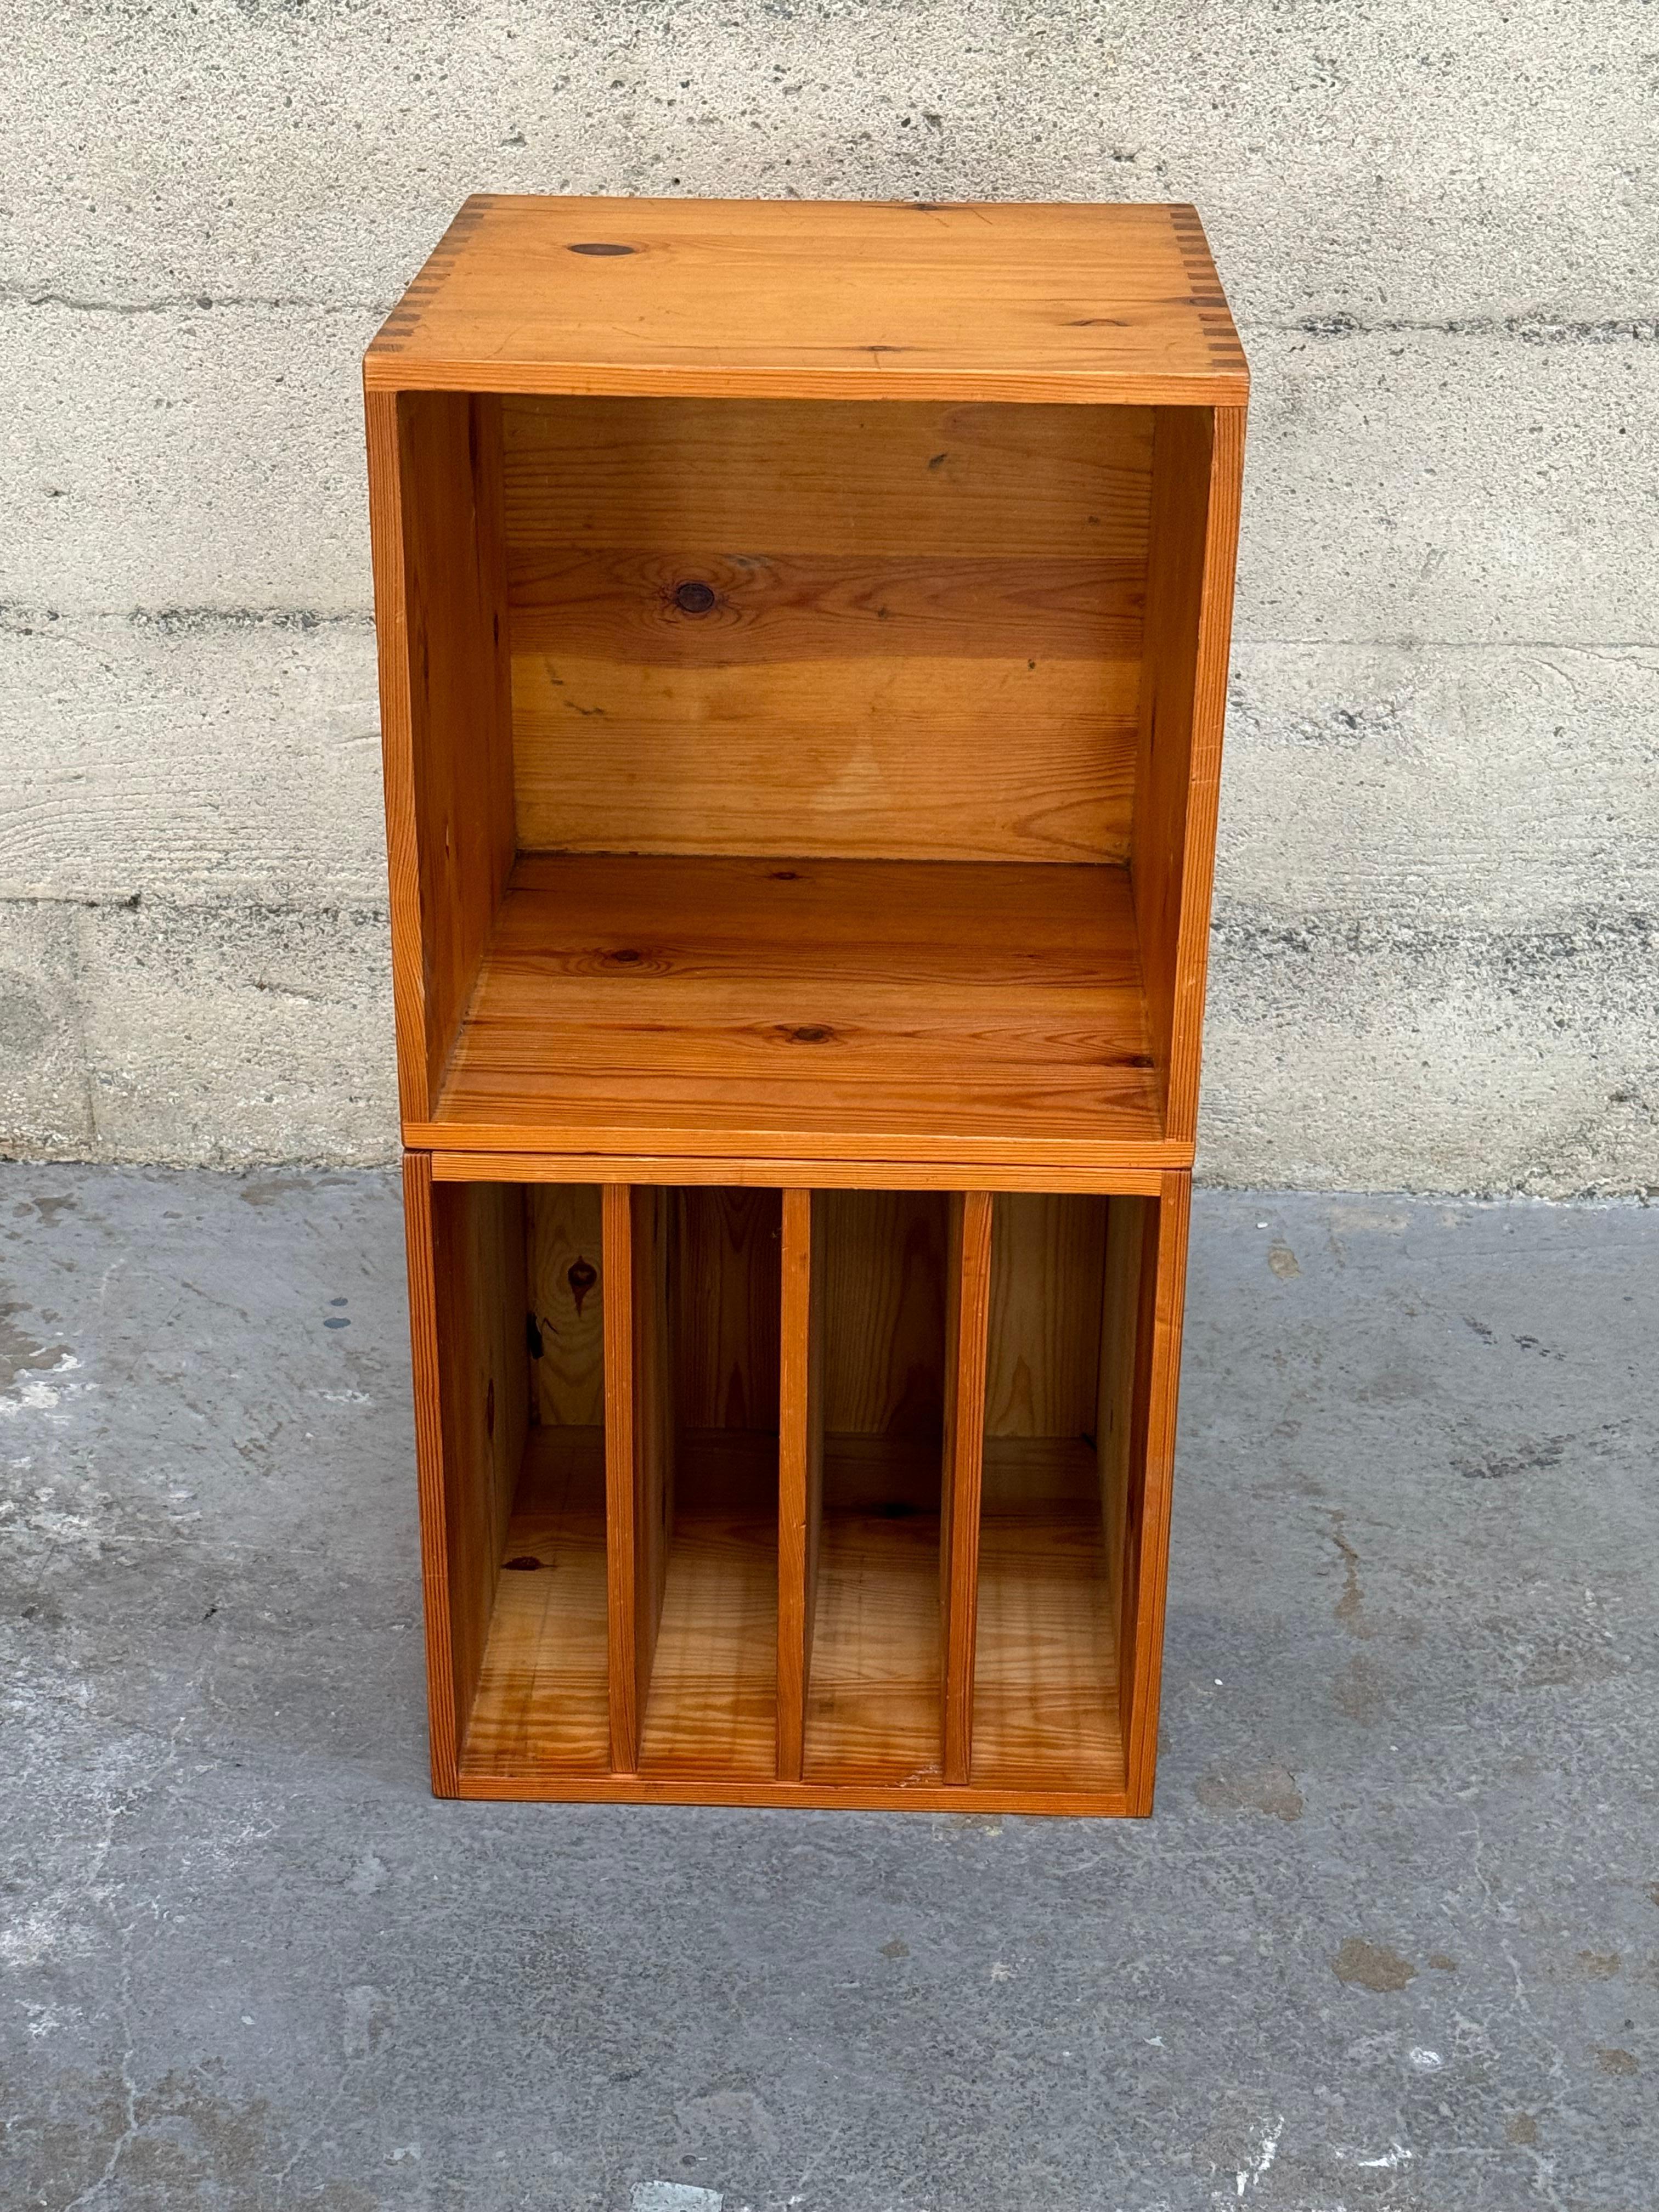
803, 636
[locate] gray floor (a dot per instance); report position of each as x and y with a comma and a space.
1392, 1938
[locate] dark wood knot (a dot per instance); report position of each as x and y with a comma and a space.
601, 252
694, 598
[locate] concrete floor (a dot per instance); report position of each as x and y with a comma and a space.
1392, 1938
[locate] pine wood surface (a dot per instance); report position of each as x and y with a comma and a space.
1044, 1715
846, 1009
1045, 1681
427, 1360
884, 1307
726, 1268
542, 1705
1199, 462
1146, 1557
709, 1708
874, 1704
968, 1295
801, 299
441, 608
554, 1168
700, 664
800, 1465
1047, 1254
589, 486
564, 1239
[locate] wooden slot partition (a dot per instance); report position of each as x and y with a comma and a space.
803, 638
968, 1283
639, 1454
800, 1471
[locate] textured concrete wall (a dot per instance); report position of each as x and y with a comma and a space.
1435, 957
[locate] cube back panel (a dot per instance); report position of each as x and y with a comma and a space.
854, 630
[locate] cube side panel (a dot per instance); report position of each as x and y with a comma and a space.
440, 602
418, 1196
385, 516
1196, 481
1151, 1476
1215, 626
480, 1366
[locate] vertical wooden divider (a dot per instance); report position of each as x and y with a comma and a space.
639, 1449
968, 1308
800, 1469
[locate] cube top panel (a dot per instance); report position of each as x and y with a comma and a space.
834, 299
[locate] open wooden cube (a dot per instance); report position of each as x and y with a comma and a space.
804, 637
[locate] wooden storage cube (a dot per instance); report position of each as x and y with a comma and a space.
803, 645
795, 772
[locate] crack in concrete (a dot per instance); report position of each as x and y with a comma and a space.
1533, 329
1522, 950
18, 620
19, 295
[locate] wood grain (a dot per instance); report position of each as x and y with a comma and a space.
1122, 1367
968, 1311
607, 606
1198, 473
699, 667
883, 1313
443, 1721
564, 1229
851, 1008
920, 488
1147, 1552
1045, 1316
852, 1794
440, 606
542, 1707
726, 1305
873, 1705
891, 759
843, 298
711, 1712
483, 1397
1100, 1175
639, 1437
1045, 1687
800, 1468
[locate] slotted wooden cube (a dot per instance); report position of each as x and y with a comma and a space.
804, 637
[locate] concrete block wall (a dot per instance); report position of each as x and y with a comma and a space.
1437, 942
